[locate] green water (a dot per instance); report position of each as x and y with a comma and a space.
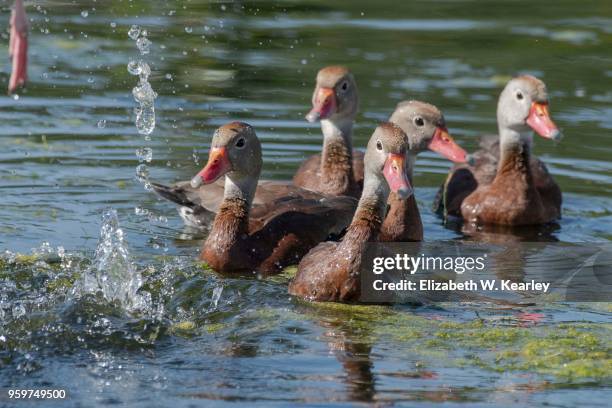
213, 62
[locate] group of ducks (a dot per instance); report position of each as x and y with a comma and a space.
342, 199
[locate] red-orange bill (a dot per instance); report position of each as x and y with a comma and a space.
539, 120
395, 174
323, 105
442, 143
217, 166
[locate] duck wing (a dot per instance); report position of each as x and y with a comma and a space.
296, 225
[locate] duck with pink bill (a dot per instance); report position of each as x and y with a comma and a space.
506, 184
426, 129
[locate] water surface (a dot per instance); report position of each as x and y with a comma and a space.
67, 152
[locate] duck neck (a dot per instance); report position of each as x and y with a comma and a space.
410, 161
370, 212
514, 155
232, 220
337, 157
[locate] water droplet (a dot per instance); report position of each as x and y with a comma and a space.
84, 13
188, 29
141, 211
102, 123
113, 24
142, 172
15, 97
144, 154
304, 61
134, 67
169, 76
134, 32
144, 45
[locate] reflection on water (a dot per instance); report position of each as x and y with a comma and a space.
67, 152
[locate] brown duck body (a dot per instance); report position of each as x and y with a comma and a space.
330, 272
272, 237
521, 192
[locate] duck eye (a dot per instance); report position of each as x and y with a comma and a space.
419, 121
379, 145
240, 143
519, 95
344, 86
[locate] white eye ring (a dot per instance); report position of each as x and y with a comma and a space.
241, 143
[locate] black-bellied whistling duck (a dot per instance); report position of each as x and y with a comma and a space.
241, 243
426, 129
338, 170
506, 185
330, 271
18, 46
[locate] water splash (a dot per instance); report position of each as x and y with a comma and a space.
112, 273
216, 296
143, 92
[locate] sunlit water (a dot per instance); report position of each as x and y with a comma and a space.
70, 146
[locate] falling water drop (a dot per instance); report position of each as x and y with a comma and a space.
134, 32
84, 13
134, 67
142, 173
102, 123
144, 45
144, 154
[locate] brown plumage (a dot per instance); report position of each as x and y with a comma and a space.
516, 189
330, 272
270, 237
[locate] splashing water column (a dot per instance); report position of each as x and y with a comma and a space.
145, 96
112, 273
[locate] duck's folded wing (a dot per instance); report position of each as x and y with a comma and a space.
208, 196
548, 189
329, 214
